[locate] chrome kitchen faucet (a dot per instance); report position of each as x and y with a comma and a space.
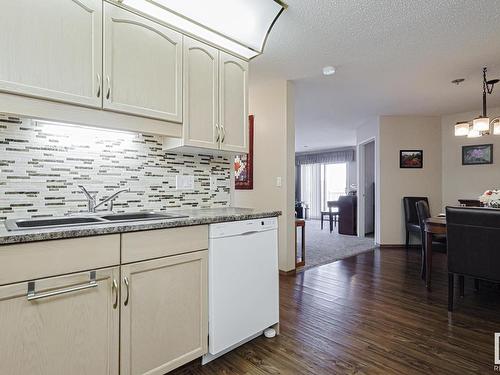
92, 199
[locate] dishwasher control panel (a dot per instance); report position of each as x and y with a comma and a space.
242, 227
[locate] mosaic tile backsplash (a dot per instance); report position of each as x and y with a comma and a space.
42, 164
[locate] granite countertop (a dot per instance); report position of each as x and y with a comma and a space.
195, 217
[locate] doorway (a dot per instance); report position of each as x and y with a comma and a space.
367, 189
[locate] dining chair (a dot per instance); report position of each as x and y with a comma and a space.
411, 219
473, 238
423, 213
332, 213
470, 203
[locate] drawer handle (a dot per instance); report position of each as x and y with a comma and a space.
32, 295
218, 133
115, 289
125, 280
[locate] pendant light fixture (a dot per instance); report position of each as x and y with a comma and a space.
482, 124
496, 126
473, 133
462, 129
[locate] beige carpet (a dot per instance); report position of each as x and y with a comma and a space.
324, 247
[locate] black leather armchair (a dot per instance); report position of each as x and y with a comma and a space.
348, 220
473, 245
411, 217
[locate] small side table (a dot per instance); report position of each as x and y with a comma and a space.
300, 261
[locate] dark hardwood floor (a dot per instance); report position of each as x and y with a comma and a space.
371, 314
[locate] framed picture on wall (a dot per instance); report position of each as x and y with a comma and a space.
411, 159
477, 154
243, 164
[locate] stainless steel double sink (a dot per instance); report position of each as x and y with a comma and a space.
80, 220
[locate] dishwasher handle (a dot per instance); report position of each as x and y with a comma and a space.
249, 232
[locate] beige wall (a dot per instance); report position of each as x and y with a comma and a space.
271, 102
466, 181
399, 133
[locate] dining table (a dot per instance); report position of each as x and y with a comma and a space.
433, 225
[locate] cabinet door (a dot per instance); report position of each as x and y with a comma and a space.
164, 313
70, 333
201, 101
142, 66
233, 103
52, 49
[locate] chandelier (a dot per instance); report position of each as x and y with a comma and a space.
481, 125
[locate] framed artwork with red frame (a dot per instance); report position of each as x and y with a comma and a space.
243, 164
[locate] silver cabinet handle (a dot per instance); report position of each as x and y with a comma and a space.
218, 133
32, 295
109, 87
115, 289
223, 133
125, 280
98, 85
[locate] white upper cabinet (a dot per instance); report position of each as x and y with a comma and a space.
142, 66
96, 54
201, 94
52, 49
215, 101
233, 91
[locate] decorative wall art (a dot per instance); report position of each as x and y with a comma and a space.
243, 164
411, 159
477, 154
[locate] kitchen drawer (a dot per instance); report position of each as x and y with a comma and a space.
21, 262
68, 325
158, 243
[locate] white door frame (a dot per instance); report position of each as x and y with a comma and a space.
361, 184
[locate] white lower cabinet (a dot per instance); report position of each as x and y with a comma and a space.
66, 325
147, 317
164, 318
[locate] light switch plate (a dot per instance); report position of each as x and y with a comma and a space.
184, 182
278, 181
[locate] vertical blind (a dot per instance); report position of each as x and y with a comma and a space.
311, 188
320, 183
314, 191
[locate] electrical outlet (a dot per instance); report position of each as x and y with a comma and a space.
184, 182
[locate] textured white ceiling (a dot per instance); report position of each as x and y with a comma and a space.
393, 57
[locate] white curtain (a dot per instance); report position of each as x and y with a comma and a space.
311, 188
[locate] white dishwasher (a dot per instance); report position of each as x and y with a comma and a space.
243, 297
